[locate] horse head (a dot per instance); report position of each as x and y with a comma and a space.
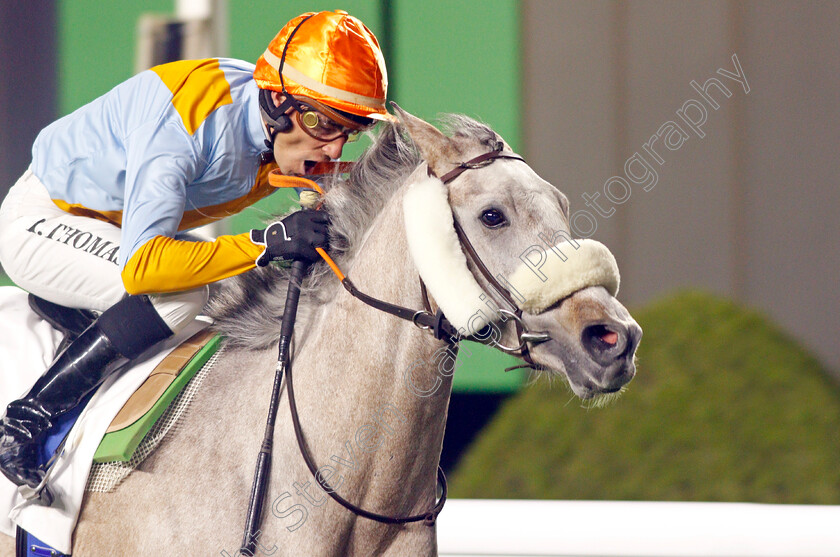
518, 225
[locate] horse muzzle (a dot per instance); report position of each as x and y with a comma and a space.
593, 341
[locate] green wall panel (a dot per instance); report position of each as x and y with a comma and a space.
97, 42
460, 57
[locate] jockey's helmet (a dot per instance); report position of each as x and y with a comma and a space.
329, 60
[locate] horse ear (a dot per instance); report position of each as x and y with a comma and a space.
439, 151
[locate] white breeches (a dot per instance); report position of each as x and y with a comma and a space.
72, 260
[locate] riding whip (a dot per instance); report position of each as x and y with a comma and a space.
287, 328
261, 472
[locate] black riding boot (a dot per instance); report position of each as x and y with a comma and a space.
122, 333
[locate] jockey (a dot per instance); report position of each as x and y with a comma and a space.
94, 222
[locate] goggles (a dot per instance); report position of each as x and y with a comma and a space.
324, 123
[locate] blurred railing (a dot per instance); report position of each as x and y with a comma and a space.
502, 528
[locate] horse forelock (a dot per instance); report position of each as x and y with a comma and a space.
248, 308
462, 128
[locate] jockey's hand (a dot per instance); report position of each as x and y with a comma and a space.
294, 237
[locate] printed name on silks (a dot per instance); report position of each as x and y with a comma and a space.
80, 240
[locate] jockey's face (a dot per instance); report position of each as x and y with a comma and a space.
296, 151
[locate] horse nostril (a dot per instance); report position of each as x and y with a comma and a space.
605, 343
609, 337
600, 336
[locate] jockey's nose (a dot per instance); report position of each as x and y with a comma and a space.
333, 148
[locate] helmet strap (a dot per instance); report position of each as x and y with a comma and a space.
275, 116
286, 47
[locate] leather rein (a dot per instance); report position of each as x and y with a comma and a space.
442, 329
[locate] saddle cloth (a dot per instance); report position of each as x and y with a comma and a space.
27, 344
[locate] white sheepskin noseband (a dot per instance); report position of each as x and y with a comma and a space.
442, 265
586, 263
437, 254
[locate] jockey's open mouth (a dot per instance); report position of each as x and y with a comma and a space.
308, 166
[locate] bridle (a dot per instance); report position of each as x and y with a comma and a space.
522, 334
437, 324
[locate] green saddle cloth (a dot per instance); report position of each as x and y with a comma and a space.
120, 445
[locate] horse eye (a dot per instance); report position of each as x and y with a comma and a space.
493, 218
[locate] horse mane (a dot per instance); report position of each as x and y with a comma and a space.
248, 308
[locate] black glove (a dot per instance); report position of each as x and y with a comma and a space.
294, 237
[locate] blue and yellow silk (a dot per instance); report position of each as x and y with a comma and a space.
172, 148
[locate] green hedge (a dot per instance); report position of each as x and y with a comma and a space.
724, 407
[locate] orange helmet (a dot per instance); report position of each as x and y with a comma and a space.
330, 57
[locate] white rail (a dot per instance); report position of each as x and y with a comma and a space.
508, 528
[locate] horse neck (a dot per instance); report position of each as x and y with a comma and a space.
356, 361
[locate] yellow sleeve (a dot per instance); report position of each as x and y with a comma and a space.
167, 265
